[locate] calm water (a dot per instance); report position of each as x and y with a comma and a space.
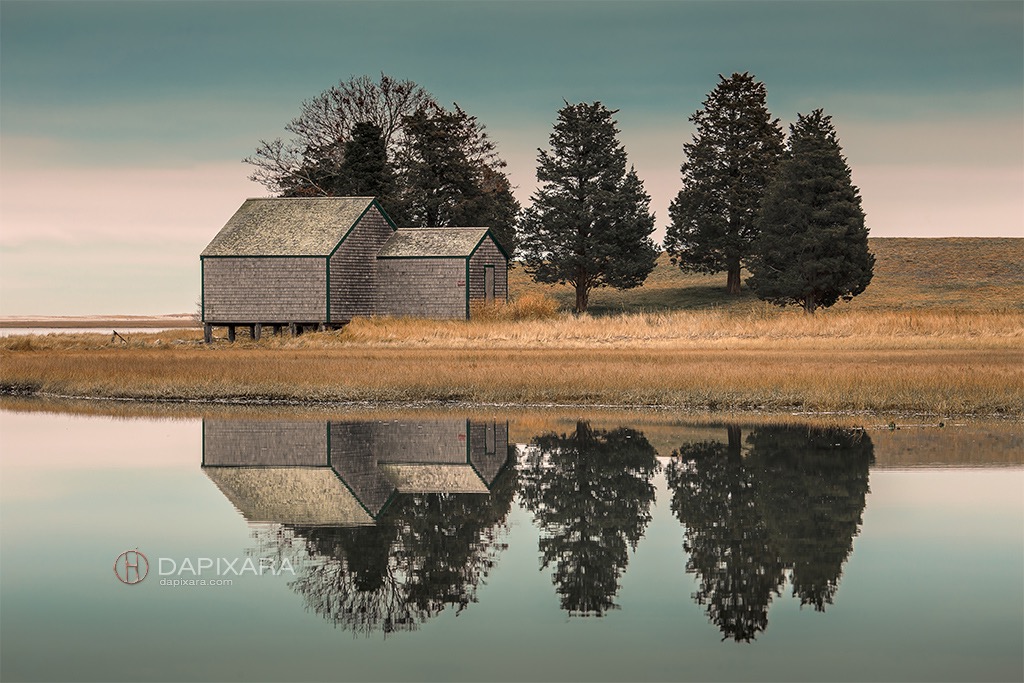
469, 549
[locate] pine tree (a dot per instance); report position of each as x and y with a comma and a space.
365, 171
813, 244
451, 175
728, 165
590, 222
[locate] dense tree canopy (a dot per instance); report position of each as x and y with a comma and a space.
590, 222
306, 164
451, 175
729, 163
364, 170
431, 167
813, 244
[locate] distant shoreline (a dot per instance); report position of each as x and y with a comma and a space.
182, 320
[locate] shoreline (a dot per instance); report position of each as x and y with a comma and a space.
183, 408
176, 321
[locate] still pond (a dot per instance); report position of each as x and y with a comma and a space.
427, 547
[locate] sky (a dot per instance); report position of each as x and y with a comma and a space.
123, 124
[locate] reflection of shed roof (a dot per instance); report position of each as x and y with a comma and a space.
310, 496
435, 478
288, 227
432, 242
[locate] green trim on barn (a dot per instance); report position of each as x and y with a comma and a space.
383, 213
467, 286
327, 288
329, 444
496, 243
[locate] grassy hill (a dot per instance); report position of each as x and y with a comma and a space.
960, 272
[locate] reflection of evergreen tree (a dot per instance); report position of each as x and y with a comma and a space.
726, 539
590, 493
428, 551
814, 487
793, 502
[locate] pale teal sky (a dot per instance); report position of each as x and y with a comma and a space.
122, 123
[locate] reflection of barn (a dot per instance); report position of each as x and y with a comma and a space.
346, 473
319, 262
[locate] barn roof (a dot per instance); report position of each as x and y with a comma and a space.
290, 495
432, 242
277, 226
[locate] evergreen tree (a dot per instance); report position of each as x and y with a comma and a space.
813, 247
365, 171
590, 223
728, 165
451, 175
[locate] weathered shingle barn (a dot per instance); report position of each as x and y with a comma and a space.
322, 261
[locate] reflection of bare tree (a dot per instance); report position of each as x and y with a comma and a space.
427, 552
590, 493
792, 502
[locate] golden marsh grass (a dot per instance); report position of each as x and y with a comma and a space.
940, 331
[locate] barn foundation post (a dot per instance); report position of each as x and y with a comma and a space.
208, 333
293, 329
231, 333
257, 331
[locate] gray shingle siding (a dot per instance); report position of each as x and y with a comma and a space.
488, 448
330, 259
422, 287
276, 443
264, 290
353, 268
488, 254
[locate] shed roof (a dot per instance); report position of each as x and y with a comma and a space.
298, 226
435, 478
432, 242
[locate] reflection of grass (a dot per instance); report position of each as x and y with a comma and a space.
924, 337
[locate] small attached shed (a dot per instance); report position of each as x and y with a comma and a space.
439, 272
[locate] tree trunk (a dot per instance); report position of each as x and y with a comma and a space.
733, 284
810, 305
735, 440
582, 297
